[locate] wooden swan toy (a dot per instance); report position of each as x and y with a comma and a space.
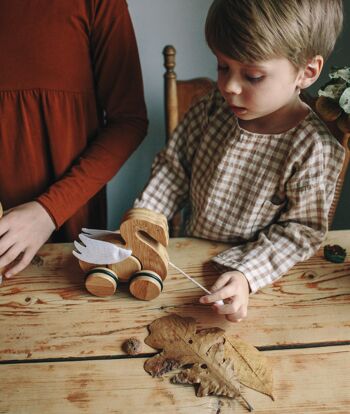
137, 254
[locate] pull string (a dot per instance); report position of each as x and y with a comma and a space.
219, 302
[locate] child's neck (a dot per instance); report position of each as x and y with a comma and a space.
280, 121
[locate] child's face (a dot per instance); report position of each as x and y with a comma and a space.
256, 90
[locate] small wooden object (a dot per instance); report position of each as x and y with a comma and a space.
101, 281
146, 285
145, 233
126, 268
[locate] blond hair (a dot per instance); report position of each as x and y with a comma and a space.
256, 30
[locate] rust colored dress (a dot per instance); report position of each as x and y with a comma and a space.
71, 106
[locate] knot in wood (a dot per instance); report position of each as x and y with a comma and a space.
37, 261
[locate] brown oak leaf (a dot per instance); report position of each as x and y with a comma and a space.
218, 364
252, 368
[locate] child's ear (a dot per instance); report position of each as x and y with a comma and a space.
311, 72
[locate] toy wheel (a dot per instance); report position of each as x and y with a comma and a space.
146, 285
101, 281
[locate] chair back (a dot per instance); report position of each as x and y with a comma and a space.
343, 137
180, 95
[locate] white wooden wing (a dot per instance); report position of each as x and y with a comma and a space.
96, 233
98, 252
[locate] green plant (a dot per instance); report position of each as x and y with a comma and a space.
333, 101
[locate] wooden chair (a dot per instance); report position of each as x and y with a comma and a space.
179, 95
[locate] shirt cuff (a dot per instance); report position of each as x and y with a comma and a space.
249, 270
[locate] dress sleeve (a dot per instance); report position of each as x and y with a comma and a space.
119, 94
301, 228
167, 190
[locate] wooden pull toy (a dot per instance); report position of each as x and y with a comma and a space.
137, 254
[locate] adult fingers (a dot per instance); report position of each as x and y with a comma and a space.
7, 240
10, 255
4, 226
20, 263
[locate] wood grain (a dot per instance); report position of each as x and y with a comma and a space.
146, 234
122, 386
45, 312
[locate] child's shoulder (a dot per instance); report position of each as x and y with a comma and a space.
313, 136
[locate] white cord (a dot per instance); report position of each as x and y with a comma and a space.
218, 302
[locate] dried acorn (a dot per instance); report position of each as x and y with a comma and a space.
132, 346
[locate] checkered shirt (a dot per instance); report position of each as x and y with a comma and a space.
268, 195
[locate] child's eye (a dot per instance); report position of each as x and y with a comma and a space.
254, 79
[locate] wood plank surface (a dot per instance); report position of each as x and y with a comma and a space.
122, 386
45, 311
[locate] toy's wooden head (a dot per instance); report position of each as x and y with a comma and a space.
145, 233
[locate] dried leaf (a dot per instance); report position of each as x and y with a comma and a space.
252, 368
208, 358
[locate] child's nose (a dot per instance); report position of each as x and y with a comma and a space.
233, 86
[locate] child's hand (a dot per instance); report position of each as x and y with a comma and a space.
23, 230
232, 286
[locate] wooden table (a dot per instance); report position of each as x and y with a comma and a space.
60, 348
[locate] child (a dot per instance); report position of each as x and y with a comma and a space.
71, 112
257, 165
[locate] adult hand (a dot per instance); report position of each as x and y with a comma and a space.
233, 288
23, 230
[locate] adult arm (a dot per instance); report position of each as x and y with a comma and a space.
119, 92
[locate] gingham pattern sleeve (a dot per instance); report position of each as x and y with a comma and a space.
168, 187
299, 231
267, 194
